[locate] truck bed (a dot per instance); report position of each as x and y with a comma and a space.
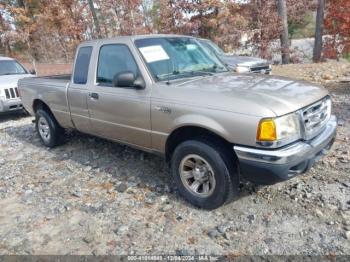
51, 89
45, 81
57, 77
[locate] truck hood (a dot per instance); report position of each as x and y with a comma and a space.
248, 61
7, 81
259, 95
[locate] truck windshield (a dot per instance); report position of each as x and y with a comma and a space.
212, 47
177, 57
11, 67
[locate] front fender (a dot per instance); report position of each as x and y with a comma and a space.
201, 121
235, 128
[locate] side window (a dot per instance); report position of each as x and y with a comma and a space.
82, 65
114, 59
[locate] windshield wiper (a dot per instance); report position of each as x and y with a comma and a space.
176, 73
208, 70
201, 72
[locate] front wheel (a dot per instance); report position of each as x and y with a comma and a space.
203, 174
50, 132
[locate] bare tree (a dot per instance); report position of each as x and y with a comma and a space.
95, 18
319, 31
282, 12
21, 3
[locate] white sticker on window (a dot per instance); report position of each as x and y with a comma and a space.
154, 53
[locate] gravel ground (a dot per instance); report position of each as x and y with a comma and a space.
92, 196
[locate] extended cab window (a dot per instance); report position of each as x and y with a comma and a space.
82, 65
114, 59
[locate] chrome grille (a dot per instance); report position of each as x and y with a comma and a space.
7, 94
260, 69
11, 93
315, 117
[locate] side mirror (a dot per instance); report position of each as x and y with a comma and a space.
139, 83
32, 72
128, 79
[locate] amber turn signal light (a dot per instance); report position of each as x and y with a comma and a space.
266, 130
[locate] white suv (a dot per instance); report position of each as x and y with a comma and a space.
10, 72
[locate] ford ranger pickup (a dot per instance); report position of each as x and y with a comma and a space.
167, 94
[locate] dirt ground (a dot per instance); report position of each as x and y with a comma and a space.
92, 196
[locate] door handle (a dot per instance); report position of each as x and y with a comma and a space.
93, 95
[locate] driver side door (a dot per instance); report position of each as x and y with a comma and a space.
119, 113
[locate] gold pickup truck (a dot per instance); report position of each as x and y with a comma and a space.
166, 94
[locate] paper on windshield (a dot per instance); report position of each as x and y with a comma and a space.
154, 53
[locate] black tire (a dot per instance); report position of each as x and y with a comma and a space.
56, 131
224, 168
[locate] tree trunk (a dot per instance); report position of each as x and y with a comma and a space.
282, 12
319, 31
133, 23
21, 3
94, 17
8, 50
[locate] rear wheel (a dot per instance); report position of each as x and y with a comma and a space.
204, 174
50, 132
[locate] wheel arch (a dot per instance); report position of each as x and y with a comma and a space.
40, 104
196, 132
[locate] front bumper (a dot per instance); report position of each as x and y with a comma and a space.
272, 166
10, 105
266, 71
257, 70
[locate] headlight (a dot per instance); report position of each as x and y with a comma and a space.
242, 69
281, 130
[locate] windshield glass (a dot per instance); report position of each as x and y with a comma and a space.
11, 67
212, 47
176, 57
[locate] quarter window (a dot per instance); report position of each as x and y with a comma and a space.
82, 65
114, 59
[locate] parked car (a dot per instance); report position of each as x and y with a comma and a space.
240, 64
165, 94
10, 72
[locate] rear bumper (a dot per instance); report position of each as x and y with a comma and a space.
272, 166
10, 105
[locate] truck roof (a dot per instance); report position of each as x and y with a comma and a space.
135, 37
